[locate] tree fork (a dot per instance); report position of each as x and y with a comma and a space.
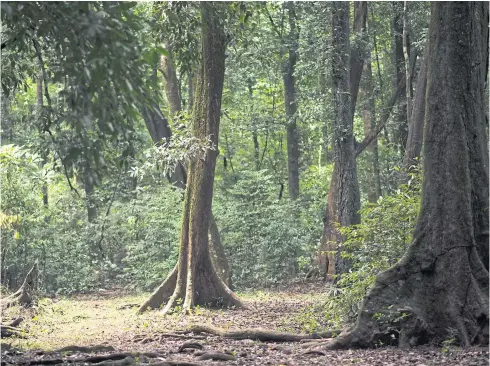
440, 288
196, 280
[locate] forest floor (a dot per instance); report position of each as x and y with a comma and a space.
107, 323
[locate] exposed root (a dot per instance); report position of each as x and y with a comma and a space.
162, 294
82, 349
216, 356
260, 334
190, 345
22, 296
119, 359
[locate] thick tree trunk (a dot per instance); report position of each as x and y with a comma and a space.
343, 196
439, 289
291, 105
417, 117
195, 279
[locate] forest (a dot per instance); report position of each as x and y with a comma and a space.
244, 183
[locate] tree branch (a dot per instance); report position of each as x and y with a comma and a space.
386, 111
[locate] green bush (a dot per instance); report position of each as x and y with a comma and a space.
267, 239
374, 246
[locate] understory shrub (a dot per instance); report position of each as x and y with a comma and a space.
374, 246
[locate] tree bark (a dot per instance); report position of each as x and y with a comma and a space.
291, 105
217, 252
374, 180
439, 289
406, 57
400, 134
343, 196
417, 117
160, 131
195, 279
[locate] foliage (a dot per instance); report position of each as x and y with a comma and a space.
374, 246
268, 240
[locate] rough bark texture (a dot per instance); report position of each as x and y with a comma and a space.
291, 105
160, 130
343, 196
196, 281
417, 117
441, 283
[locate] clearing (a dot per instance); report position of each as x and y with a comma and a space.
106, 323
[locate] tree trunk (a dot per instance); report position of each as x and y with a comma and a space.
291, 105
374, 181
325, 134
195, 279
343, 196
88, 186
171, 84
406, 57
439, 289
39, 92
217, 252
160, 131
255, 137
417, 117
401, 131
191, 86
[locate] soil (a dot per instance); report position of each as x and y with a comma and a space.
106, 323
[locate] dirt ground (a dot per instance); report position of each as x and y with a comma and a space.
106, 323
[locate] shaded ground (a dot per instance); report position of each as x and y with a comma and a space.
110, 321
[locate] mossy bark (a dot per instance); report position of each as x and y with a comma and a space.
439, 289
195, 280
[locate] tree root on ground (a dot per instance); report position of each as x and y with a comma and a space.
114, 359
22, 296
261, 334
10, 330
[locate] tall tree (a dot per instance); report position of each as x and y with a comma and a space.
195, 279
344, 196
291, 104
398, 59
441, 284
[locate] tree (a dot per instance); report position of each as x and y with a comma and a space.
439, 289
417, 117
344, 196
291, 104
195, 279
